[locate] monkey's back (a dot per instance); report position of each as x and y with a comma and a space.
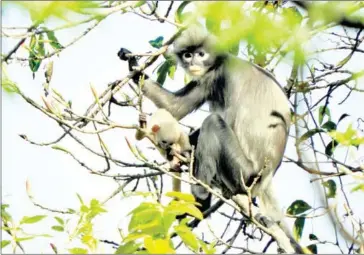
263, 133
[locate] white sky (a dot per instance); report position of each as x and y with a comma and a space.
56, 178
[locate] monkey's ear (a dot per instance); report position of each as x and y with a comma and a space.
155, 128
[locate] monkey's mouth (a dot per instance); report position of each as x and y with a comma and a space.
195, 70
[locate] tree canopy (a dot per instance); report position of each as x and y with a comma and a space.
315, 51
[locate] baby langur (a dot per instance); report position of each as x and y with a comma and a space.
170, 139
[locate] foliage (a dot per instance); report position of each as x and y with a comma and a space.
267, 33
153, 224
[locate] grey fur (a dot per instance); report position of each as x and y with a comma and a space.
241, 138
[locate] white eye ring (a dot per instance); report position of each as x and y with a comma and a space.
202, 54
187, 55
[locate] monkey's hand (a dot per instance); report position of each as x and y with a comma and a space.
122, 54
125, 55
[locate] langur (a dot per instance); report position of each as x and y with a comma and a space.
242, 142
170, 139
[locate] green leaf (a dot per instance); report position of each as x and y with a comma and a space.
329, 126
58, 228
144, 206
182, 208
207, 249
4, 214
359, 187
322, 112
330, 185
138, 4
34, 62
159, 246
313, 237
162, 72
258, 4
40, 49
342, 117
59, 220
182, 196
234, 49
309, 134
77, 251
213, 25
53, 40
134, 236
179, 17
298, 228
157, 43
146, 218
80, 199
22, 239
298, 207
5, 243
128, 248
350, 137
171, 71
60, 148
33, 219
70, 210
96, 207
168, 219
9, 86
187, 237
312, 248
329, 150
292, 15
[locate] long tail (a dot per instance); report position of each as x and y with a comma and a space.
269, 207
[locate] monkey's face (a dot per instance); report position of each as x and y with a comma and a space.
165, 144
196, 61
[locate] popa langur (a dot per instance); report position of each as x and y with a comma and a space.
168, 135
243, 140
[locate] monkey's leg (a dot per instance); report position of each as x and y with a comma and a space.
219, 153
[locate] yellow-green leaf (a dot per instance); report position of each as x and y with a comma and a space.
60, 148
298, 207
330, 185
33, 219
5, 243
134, 236
158, 246
53, 40
182, 196
359, 187
58, 228
128, 248
78, 251
187, 237
182, 208
298, 228
59, 220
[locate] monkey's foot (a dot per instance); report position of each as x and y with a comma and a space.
264, 220
122, 54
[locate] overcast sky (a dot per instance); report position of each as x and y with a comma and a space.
55, 177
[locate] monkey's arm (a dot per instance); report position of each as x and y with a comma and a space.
178, 103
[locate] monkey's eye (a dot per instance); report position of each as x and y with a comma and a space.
201, 53
165, 142
187, 55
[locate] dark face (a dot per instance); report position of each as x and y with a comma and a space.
196, 60
164, 144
